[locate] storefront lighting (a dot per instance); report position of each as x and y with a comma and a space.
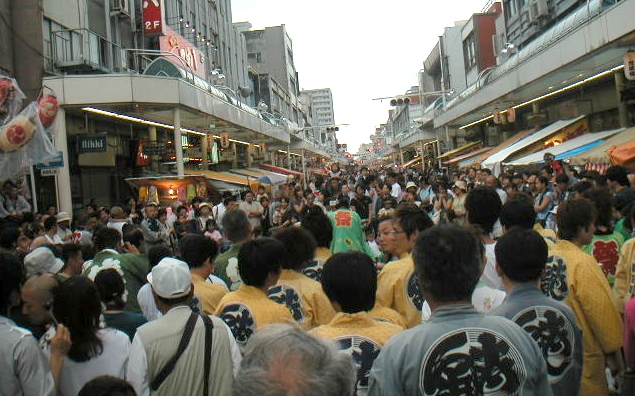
550, 94
153, 123
170, 191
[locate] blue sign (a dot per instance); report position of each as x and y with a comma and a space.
57, 162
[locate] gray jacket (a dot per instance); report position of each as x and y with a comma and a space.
553, 326
460, 352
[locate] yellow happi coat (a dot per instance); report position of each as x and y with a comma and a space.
248, 308
575, 278
397, 288
304, 297
624, 286
359, 335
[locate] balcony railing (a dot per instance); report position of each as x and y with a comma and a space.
84, 51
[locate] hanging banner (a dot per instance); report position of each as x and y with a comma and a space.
224, 140
496, 116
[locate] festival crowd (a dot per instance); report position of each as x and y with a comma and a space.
360, 281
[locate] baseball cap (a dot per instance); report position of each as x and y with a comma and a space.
63, 216
460, 184
410, 184
204, 205
41, 261
170, 278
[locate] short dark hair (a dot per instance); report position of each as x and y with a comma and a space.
49, 223
107, 385
581, 186
601, 198
236, 225
106, 237
412, 218
299, 245
111, 286
319, 225
69, 251
258, 258
618, 174
133, 235
562, 178
194, 249
350, 279
483, 206
11, 277
517, 213
522, 254
158, 252
574, 215
448, 262
9, 237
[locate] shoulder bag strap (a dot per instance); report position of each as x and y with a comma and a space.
209, 327
185, 340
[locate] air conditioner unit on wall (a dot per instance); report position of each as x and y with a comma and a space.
120, 7
538, 9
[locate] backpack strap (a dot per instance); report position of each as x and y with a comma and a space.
169, 366
209, 327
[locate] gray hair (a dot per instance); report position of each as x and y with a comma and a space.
283, 359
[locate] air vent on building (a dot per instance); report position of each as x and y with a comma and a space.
538, 9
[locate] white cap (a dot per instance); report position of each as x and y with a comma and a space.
63, 216
170, 278
410, 184
41, 261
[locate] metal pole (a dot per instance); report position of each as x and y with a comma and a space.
303, 169
33, 190
178, 146
288, 156
423, 163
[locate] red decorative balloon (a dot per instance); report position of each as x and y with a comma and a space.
47, 109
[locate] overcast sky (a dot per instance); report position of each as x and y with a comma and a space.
361, 49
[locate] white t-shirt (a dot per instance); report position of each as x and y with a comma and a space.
113, 361
147, 304
489, 277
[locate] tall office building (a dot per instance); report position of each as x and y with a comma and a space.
322, 100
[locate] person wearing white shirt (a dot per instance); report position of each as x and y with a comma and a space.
395, 187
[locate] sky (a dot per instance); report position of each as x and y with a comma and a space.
360, 49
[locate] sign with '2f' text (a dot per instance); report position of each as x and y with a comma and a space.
153, 17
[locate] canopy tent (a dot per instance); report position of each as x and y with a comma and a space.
460, 150
262, 176
281, 170
494, 161
466, 156
166, 189
584, 142
492, 150
598, 154
224, 178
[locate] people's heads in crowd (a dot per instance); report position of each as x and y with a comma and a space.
133, 235
349, 280
521, 255
158, 252
299, 246
601, 198
260, 262
578, 189
483, 206
42, 260
9, 238
50, 225
76, 304
117, 213
37, 296
151, 210
319, 225
591, 176
546, 172
343, 202
518, 212
73, 258
197, 251
171, 283
111, 288
448, 261
236, 225
107, 385
11, 278
103, 215
576, 220
492, 182
51, 210
107, 238
285, 360
562, 182
617, 175
386, 235
409, 221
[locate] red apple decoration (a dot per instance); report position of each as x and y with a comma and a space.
47, 109
16, 133
5, 89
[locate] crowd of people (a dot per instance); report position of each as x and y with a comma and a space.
361, 281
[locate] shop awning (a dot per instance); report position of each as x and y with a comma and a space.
229, 178
494, 161
598, 154
262, 176
281, 170
412, 162
584, 142
460, 150
466, 156
493, 150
